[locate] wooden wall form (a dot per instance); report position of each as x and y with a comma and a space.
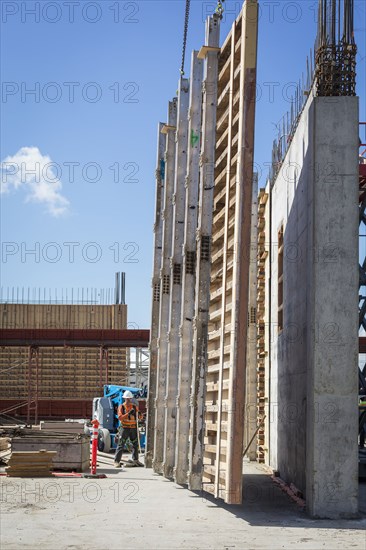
226, 359
63, 373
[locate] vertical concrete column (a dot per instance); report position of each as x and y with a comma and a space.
251, 372
156, 284
332, 416
176, 278
204, 237
242, 228
189, 271
165, 287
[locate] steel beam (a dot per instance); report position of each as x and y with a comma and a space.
109, 338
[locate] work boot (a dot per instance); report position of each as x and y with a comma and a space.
138, 463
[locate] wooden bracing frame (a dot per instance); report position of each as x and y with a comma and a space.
226, 359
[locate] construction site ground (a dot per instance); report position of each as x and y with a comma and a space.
135, 508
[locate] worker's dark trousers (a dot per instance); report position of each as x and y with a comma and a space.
124, 434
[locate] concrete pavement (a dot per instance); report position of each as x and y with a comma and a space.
138, 509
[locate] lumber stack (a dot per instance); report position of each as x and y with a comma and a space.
30, 464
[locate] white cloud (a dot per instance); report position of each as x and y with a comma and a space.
36, 173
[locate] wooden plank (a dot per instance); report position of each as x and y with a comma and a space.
212, 449
202, 54
215, 427
211, 470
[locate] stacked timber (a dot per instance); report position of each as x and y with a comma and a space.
261, 353
30, 464
73, 450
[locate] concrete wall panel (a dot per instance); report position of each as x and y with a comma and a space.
313, 377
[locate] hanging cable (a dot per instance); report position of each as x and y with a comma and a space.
185, 32
218, 11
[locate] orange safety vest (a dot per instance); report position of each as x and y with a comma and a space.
123, 416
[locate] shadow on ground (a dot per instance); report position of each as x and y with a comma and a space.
264, 503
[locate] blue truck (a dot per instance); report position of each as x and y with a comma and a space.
105, 411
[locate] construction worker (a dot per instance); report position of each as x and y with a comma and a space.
128, 416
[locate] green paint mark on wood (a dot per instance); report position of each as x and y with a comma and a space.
194, 138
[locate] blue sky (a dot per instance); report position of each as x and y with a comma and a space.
103, 73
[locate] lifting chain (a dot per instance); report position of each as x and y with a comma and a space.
218, 11
220, 8
185, 32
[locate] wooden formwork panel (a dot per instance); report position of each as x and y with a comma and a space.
49, 408
262, 436
62, 372
226, 353
63, 316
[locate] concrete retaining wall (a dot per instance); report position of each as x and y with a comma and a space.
313, 376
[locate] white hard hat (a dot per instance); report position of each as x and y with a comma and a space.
127, 394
